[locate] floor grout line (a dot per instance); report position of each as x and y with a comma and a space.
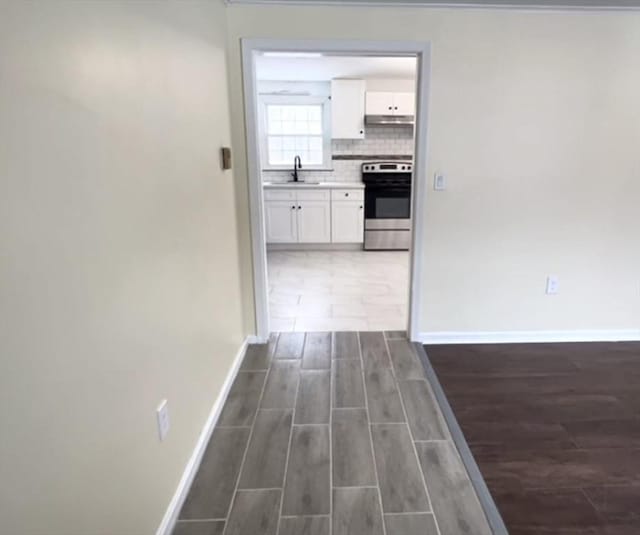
373, 453
246, 449
293, 419
331, 353
413, 444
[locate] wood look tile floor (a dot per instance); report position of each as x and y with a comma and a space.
554, 429
343, 438
338, 290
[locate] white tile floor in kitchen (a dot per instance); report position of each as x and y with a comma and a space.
338, 290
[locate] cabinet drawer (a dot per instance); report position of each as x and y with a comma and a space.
313, 195
347, 195
279, 195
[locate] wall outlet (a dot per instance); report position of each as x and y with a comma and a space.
553, 284
439, 182
162, 415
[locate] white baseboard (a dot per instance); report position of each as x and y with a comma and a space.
173, 510
515, 337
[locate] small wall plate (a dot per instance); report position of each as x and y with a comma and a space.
226, 158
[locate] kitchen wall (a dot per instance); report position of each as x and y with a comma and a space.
120, 274
536, 125
349, 154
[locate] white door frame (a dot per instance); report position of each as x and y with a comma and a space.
422, 50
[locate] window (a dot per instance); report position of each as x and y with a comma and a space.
296, 126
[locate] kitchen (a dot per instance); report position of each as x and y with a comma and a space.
336, 151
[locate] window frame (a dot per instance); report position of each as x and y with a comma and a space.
296, 100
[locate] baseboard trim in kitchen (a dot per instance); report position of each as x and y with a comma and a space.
180, 495
314, 247
521, 337
482, 491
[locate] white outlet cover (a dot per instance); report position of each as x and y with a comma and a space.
162, 416
553, 284
439, 182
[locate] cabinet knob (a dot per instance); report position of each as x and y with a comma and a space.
390, 108
299, 207
346, 194
361, 207
362, 131
293, 207
395, 108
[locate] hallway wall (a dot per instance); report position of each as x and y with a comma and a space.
534, 120
119, 274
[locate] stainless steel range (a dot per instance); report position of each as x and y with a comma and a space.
387, 205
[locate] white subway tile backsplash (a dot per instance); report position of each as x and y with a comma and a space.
379, 140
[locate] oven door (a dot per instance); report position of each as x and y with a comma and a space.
387, 202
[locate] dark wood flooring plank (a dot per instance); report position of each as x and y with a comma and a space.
242, 402
212, 489
351, 449
566, 510
282, 385
345, 345
254, 511
605, 433
374, 350
422, 411
306, 490
447, 478
289, 346
305, 525
347, 384
267, 453
395, 335
383, 397
405, 360
314, 397
401, 484
411, 524
205, 527
357, 512
258, 356
317, 351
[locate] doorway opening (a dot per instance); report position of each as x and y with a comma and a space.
336, 137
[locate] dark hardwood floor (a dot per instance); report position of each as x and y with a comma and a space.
555, 430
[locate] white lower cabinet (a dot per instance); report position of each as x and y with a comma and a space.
281, 221
347, 222
314, 221
314, 216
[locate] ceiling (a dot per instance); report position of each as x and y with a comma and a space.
313, 69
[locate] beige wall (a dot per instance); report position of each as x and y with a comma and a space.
535, 120
119, 274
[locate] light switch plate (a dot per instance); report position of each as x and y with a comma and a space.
162, 415
439, 182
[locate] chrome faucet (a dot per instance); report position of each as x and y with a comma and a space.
297, 164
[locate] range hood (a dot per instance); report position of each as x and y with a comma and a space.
389, 120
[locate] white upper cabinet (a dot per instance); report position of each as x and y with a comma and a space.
379, 103
347, 109
388, 103
404, 103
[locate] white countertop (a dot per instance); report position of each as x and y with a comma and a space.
320, 185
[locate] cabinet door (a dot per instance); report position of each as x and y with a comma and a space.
280, 221
347, 222
314, 221
379, 103
404, 103
347, 109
